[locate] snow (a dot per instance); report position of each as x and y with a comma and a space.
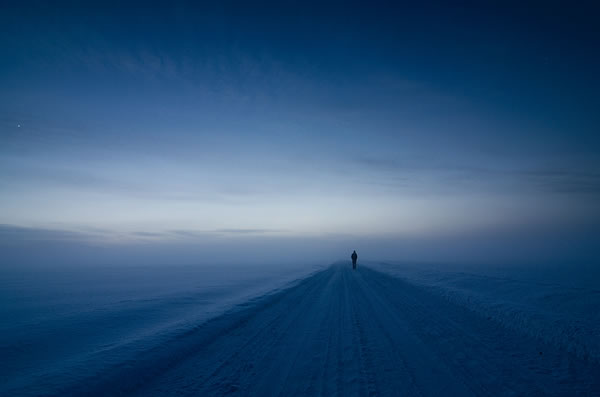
384, 329
59, 327
558, 305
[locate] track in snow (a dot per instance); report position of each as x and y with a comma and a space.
357, 333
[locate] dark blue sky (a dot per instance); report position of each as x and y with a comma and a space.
401, 125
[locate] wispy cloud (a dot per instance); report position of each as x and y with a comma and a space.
249, 231
561, 181
10, 234
390, 172
176, 187
148, 234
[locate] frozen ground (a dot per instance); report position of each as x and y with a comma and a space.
396, 330
59, 326
558, 304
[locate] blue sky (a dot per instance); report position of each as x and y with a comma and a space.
402, 126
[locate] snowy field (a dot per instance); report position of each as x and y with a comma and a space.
558, 304
60, 327
385, 329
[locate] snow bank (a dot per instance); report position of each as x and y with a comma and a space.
537, 303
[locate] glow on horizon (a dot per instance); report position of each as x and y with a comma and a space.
135, 198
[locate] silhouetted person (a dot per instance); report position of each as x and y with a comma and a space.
354, 258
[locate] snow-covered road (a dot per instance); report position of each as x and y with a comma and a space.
356, 333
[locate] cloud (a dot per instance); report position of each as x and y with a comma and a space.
393, 173
248, 231
567, 182
12, 234
224, 231
18, 171
187, 233
148, 234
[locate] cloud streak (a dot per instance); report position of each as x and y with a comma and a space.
390, 173
11, 234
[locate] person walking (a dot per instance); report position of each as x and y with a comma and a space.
354, 258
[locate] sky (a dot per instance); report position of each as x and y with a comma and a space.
289, 130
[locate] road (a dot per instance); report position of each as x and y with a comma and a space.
361, 333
